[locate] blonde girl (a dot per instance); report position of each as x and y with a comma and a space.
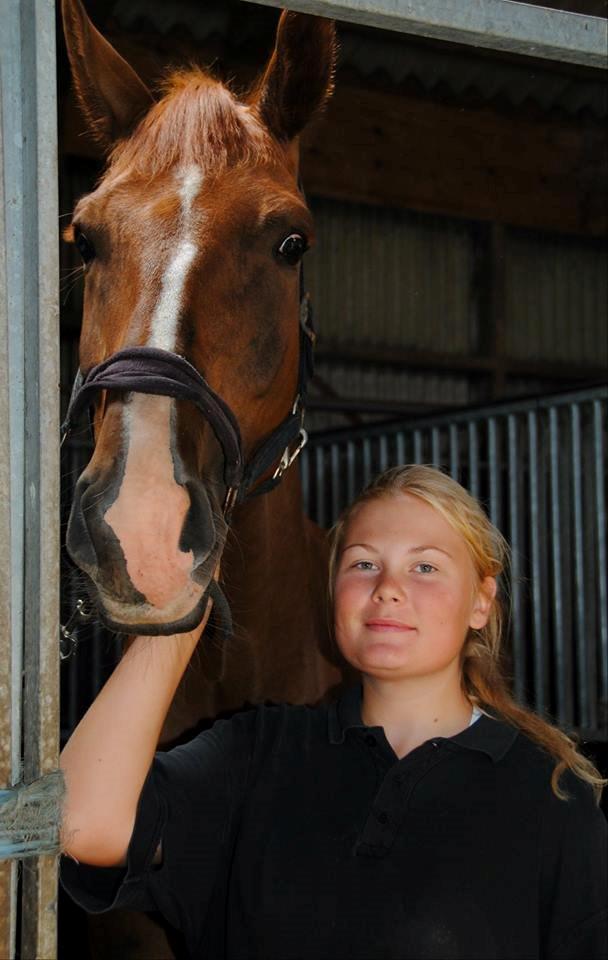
424, 814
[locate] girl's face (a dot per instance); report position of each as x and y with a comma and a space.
406, 592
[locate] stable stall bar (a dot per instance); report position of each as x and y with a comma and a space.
29, 473
503, 25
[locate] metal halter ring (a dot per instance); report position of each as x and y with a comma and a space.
67, 634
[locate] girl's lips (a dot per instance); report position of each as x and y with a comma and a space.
387, 624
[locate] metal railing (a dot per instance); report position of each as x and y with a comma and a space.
539, 468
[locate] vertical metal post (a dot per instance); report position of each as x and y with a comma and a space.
383, 454
454, 452
29, 136
9, 658
520, 672
563, 663
494, 468
600, 509
580, 591
436, 447
351, 455
539, 625
473, 458
367, 461
336, 504
400, 448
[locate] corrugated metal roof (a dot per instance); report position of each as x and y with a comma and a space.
376, 54
434, 69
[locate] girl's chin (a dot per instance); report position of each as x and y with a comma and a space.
382, 662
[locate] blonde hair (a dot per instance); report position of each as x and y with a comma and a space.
483, 678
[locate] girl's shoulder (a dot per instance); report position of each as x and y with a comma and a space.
263, 725
531, 768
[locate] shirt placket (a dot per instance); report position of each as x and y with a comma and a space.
398, 780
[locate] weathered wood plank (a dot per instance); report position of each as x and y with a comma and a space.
521, 168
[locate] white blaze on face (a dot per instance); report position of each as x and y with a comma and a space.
163, 327
149, 512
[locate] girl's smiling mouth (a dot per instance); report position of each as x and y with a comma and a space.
381, 624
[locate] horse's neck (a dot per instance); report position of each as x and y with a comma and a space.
276, 579
274, 572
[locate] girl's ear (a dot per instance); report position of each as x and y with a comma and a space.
483, 603
298, 79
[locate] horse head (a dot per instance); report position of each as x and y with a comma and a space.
191, 243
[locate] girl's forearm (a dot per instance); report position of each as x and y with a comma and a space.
107, 758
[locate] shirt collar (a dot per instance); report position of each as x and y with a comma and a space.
489, 734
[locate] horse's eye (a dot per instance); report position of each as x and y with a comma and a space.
293, 248
85, 247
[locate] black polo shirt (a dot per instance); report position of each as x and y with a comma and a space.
295, 832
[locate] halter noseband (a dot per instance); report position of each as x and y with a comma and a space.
160, 372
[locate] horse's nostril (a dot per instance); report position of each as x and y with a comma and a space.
199, 533
91, 543
79, 542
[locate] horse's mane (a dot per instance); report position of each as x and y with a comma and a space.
196, 120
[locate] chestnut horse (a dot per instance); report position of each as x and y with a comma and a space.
191, 243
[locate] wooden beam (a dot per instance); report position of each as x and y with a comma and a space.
517, 167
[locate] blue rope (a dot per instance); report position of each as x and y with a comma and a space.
30, 817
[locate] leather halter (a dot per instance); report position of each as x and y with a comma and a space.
160, 372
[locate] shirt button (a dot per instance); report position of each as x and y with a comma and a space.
382, 817
370, 740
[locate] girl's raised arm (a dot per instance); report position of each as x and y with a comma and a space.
107, 758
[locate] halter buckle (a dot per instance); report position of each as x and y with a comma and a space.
289, 456
230, 500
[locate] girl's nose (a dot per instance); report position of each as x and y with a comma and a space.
388, 590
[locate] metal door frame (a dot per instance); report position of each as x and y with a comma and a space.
29, 462
29, 376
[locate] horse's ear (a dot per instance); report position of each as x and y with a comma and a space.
298, 79
110, 93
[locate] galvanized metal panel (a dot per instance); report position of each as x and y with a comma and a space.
30, 177
556, 293
494, 24
9, 709
379, 276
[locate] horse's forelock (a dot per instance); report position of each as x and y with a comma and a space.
198, 121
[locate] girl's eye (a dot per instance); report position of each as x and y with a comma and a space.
425, 568
85, 247
364, 565
292, 249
